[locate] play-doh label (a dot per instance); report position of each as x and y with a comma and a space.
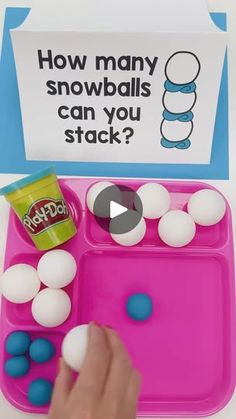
45, 213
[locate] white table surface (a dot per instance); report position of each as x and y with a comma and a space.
227, 187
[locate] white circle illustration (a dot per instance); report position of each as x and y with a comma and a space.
182, 68
179, 102
175, 130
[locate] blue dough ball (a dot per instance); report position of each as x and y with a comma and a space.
18, 343
139, 306
40, 392
18, 366
41, 350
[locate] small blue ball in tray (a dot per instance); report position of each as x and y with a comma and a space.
17, 367
40, 392
41, 350
139, 306
17, 343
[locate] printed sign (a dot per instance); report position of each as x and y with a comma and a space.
119, 97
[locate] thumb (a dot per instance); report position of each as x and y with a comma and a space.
62, 387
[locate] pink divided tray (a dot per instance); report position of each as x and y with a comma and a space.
186, 350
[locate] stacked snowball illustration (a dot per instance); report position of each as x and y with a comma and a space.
179, 99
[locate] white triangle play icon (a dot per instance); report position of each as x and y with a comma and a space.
116, 209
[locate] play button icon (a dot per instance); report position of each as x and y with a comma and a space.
118, 209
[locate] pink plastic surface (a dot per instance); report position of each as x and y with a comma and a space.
186, 350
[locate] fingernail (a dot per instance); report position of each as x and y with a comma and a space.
95, 331
94, 327
108, 326
96, 323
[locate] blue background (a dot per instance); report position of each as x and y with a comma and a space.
12, 153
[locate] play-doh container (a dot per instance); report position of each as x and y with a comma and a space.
40, 205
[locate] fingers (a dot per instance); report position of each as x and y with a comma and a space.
120, 370
64, 380
92, 378
107, 379
130, 404
133, 388
62, 387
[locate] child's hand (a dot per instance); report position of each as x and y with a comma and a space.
107, 386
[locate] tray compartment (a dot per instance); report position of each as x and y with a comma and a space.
182, 350
20, 315
215, 236
75, 209
16, 389
186, 350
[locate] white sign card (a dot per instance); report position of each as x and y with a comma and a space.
92, 92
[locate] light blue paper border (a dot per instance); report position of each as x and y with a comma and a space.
12, 154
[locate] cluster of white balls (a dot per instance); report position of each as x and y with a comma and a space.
155, 199
21, 283
176, 228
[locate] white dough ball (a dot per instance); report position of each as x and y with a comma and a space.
182, 68
133, 237
74, 347
178, 102
57, 268
176, 228
155, 199
20, 283
207, 207
94, 191
176, 130
51, 307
